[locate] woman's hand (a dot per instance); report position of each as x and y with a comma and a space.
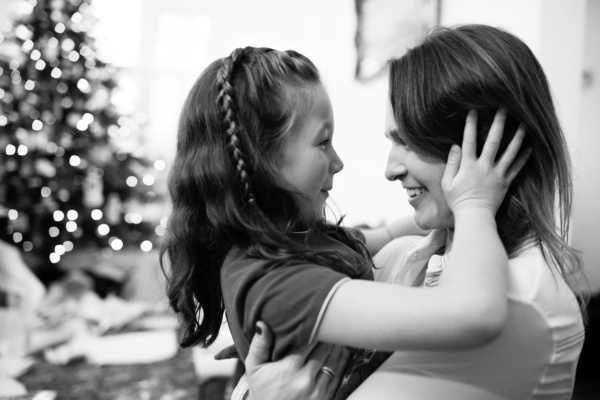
482, 182
298, 376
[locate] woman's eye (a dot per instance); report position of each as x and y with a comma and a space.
400, 141
396, 138
325, 142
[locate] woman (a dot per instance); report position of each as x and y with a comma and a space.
432, 87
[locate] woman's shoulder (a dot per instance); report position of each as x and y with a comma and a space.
534, 279
528, 270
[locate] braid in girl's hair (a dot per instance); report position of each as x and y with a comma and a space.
231, 126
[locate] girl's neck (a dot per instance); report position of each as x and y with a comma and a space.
301, 230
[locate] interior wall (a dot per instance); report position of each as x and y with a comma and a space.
586, 144
522, 18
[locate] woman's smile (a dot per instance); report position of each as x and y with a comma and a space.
414, 192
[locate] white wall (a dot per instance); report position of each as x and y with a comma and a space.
520, 17
586, 147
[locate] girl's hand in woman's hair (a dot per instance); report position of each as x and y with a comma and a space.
298, 376
482, 182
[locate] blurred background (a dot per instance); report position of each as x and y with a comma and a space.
90, 94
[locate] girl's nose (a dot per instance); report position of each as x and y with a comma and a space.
395, 168
336, 164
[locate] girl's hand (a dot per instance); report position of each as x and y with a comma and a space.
471, 182
298, 376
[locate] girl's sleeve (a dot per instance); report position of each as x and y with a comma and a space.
291, 299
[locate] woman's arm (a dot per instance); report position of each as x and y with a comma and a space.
469, 306
378, 237
298, 376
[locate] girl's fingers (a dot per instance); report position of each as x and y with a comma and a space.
516, 166
512, 150
492, 143
469, 145
452, 166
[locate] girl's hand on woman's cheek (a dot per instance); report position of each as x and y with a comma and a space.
471, 182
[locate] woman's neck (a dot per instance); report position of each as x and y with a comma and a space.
449, 239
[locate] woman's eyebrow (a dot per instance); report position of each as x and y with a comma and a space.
393, 133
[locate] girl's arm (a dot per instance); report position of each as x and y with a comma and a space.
469, 306
378, 237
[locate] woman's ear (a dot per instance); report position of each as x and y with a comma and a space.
484, 123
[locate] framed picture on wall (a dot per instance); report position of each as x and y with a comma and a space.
386, 28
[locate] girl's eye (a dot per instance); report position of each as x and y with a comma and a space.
325, 142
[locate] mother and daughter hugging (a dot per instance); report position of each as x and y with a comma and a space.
487, 306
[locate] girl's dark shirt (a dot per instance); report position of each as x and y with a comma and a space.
289, 297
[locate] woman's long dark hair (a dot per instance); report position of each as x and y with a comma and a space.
453, 70
231, 132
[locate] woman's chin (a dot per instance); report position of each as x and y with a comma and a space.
423, 223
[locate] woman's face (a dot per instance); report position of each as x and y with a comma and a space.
421, 176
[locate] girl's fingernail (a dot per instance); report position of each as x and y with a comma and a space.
258, 329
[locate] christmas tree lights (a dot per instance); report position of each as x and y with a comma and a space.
66, 161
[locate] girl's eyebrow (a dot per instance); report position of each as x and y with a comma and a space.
326, 128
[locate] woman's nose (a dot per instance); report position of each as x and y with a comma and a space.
396, 167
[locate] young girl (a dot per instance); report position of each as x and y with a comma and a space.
432, 87
254, 166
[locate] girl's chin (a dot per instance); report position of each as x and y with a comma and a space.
310, 218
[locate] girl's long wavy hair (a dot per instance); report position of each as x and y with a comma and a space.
232, 129
453, 70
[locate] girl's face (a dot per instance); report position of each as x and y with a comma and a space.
421, 176
309, 161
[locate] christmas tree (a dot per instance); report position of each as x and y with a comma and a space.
67, 164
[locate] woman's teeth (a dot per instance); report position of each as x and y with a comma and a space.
414, 192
